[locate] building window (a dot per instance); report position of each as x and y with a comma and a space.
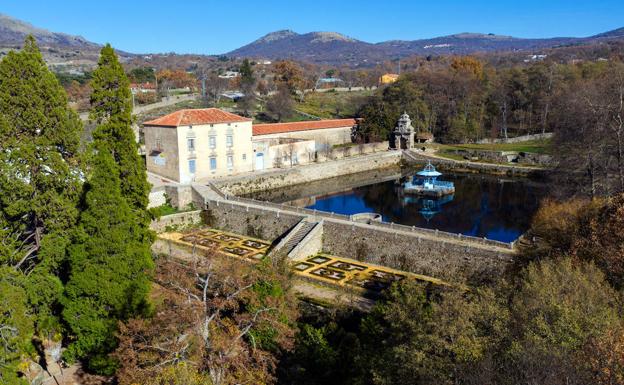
213, 142
228, 141
244, 157
190, 143
158, 143
192, 166
213, 163
295, 158
230, 161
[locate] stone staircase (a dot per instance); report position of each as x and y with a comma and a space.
294, 237
412, 157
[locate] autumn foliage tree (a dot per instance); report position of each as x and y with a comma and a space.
175, 79
587, 230
289, 74
606, 357
557, 323
222, 322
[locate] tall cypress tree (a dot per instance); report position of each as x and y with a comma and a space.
39, 180
111, 110
110, 257
109, 262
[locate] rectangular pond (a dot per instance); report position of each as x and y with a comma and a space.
496, 208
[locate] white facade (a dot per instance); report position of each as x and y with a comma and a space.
195, 145
282, 153
199, 151
323, 137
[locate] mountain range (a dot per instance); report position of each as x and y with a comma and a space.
335, 48
13, 32
315, 47
60, 50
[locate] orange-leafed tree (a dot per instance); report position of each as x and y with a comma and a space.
605, 357
177, 78
468, 65
290, 74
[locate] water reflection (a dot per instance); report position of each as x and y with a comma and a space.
429, 206
482, 206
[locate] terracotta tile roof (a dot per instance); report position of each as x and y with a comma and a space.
196, 117
278, 128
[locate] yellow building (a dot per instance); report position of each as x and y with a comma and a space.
388, 78
195, 145
189, 145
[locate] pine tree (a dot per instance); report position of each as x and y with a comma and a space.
247, 76
111, 110
110, 263
39, 180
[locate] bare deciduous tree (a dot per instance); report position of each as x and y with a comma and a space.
216, 317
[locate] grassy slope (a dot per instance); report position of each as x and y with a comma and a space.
331, 105
326, 105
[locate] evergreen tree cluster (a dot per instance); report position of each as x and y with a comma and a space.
75, 243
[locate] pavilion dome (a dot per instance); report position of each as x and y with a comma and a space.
429, 171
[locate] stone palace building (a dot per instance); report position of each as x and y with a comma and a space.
199, 144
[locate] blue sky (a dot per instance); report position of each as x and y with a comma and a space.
212, 27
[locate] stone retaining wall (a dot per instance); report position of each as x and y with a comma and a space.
435, 257
176, 221
474, 167
439, 257
342, 152
524, 158
307, 173
518, 139
157, 197
252, 222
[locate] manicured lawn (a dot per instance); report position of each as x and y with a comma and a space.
167, 209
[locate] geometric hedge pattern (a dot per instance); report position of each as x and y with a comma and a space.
329, 269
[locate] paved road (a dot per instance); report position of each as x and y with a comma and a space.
164, 103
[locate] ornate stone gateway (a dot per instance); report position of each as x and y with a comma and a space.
403, 134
